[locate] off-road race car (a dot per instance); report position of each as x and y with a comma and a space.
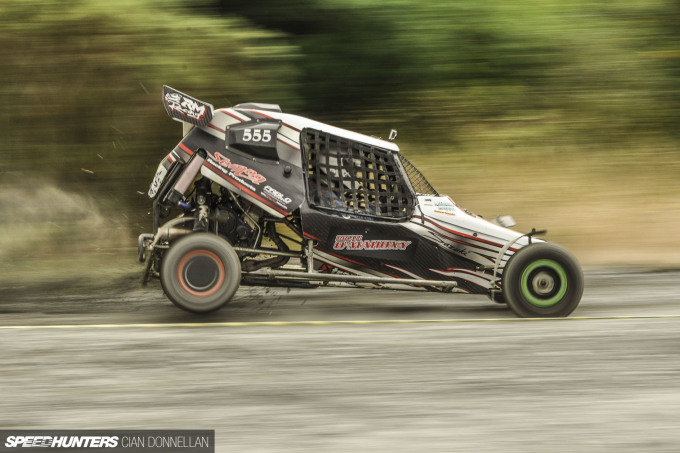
254, 196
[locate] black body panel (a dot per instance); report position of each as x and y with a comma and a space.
385, 247
275, 183
255, 138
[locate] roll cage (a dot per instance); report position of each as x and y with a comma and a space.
358, 179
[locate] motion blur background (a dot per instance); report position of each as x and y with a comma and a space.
562, 113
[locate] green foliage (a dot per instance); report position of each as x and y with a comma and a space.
81, 80
590, 71
88, 75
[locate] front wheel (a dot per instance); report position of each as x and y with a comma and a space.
200, 272
542, 280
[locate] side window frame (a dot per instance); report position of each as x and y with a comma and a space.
354, 178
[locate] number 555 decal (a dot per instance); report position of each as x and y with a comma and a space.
256, 138
256, 135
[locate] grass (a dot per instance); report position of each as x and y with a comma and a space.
618, 208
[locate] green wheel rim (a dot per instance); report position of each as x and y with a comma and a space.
552, 270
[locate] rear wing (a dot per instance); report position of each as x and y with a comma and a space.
182, 107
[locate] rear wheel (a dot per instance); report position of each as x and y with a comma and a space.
200, 273
542, 280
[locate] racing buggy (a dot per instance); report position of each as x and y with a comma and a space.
254, 196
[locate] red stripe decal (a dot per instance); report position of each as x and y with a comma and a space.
288, 144
232, 115
291, 127
216, 128
468, 236
186, 149
477, 246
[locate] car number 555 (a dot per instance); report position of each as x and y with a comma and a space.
257, 135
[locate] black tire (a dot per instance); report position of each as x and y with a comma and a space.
542, 280
200, 273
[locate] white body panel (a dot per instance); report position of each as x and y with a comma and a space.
441, 220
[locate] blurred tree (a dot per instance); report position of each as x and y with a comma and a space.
428, 67
348, 57
665, 49
82, 80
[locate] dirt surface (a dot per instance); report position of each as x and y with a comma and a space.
353, 369
609, 293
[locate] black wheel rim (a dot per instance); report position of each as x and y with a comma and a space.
200, 273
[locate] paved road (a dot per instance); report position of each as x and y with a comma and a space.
608, 379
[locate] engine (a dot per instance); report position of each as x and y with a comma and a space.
223, 213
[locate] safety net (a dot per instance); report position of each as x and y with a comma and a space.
354, 177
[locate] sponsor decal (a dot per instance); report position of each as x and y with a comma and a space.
236, 171
176, 102
357, 242
157, 180
441, 205
114, 441
277, 197
62, 441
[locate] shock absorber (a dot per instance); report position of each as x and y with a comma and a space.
202, 206
174, 197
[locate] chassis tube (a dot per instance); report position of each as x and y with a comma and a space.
266, 252
314, 276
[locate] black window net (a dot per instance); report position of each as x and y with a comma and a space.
419, 183
352, 177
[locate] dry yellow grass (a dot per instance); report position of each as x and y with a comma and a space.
617, 208
620, 208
